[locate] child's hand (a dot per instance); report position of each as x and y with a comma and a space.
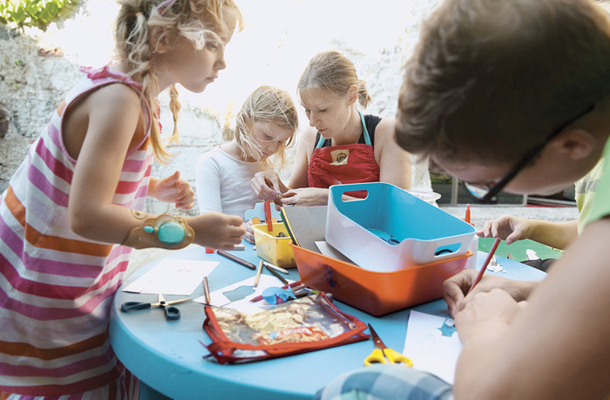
456, 288
267, 185
175, 189
217, 231
249, 236
507, 227
305, 197
490, 311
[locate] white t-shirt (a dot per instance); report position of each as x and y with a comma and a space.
223, 183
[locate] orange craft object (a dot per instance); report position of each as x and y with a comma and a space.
268, 216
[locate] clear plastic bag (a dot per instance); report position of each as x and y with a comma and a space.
306, 324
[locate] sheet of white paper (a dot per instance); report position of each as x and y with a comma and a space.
432, 344
178, 277
245, 287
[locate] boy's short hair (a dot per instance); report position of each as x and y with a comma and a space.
490, 78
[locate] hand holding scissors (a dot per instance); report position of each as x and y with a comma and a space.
383, 354
171, 313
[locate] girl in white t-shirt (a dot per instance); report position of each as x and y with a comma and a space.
265, 126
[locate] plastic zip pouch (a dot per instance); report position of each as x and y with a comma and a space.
306, 324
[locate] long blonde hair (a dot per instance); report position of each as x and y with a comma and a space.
142, 25
333, 73
266, 104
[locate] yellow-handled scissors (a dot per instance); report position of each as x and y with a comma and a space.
383, 354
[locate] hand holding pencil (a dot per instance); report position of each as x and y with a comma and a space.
458, 286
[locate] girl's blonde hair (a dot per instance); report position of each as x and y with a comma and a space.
333, 73
271, 105
142, 26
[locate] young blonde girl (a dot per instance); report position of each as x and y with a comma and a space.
265, 125
80, 194
343, 145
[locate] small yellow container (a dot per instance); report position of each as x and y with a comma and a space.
273, 249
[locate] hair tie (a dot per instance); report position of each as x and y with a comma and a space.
138, 14
165, 5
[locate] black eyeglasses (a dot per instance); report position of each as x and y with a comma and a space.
486, 195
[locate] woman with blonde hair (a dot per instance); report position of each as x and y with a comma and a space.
343, 145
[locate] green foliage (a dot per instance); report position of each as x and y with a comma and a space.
37, 13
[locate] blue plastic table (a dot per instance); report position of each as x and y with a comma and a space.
167, 355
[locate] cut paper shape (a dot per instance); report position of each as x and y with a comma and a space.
448, 327
430, 347
239, 293
219, 299
277, 295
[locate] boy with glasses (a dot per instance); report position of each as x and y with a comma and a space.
514, 95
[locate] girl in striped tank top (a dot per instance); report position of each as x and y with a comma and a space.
74, 209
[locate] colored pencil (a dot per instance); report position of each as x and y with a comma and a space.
485, 264
275, 267
238, 260
277, 275
258, 273
206, 290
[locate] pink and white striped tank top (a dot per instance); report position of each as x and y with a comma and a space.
56, 287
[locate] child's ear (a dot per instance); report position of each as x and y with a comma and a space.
353, 94
574, 144
160, 41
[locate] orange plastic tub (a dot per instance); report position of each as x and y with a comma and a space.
377, 293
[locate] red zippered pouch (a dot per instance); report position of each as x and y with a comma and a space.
306, 324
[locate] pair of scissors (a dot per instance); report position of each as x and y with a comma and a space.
383, 354
171, 313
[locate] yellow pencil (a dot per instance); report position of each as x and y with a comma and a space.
258, 273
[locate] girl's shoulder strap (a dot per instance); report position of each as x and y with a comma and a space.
320, 141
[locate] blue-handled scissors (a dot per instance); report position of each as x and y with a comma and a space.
171, 313
383, 354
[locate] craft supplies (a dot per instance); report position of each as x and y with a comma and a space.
268, 216
484, 267
238, 260
278, 276
171, 313
295, 286
206, 290
383, 354
275, 267
272, 248
377, 293
258, 273
306, 324
421, 232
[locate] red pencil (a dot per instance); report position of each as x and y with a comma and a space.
484, 267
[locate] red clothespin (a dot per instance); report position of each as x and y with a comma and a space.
268, 216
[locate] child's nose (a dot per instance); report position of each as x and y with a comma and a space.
220, 62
